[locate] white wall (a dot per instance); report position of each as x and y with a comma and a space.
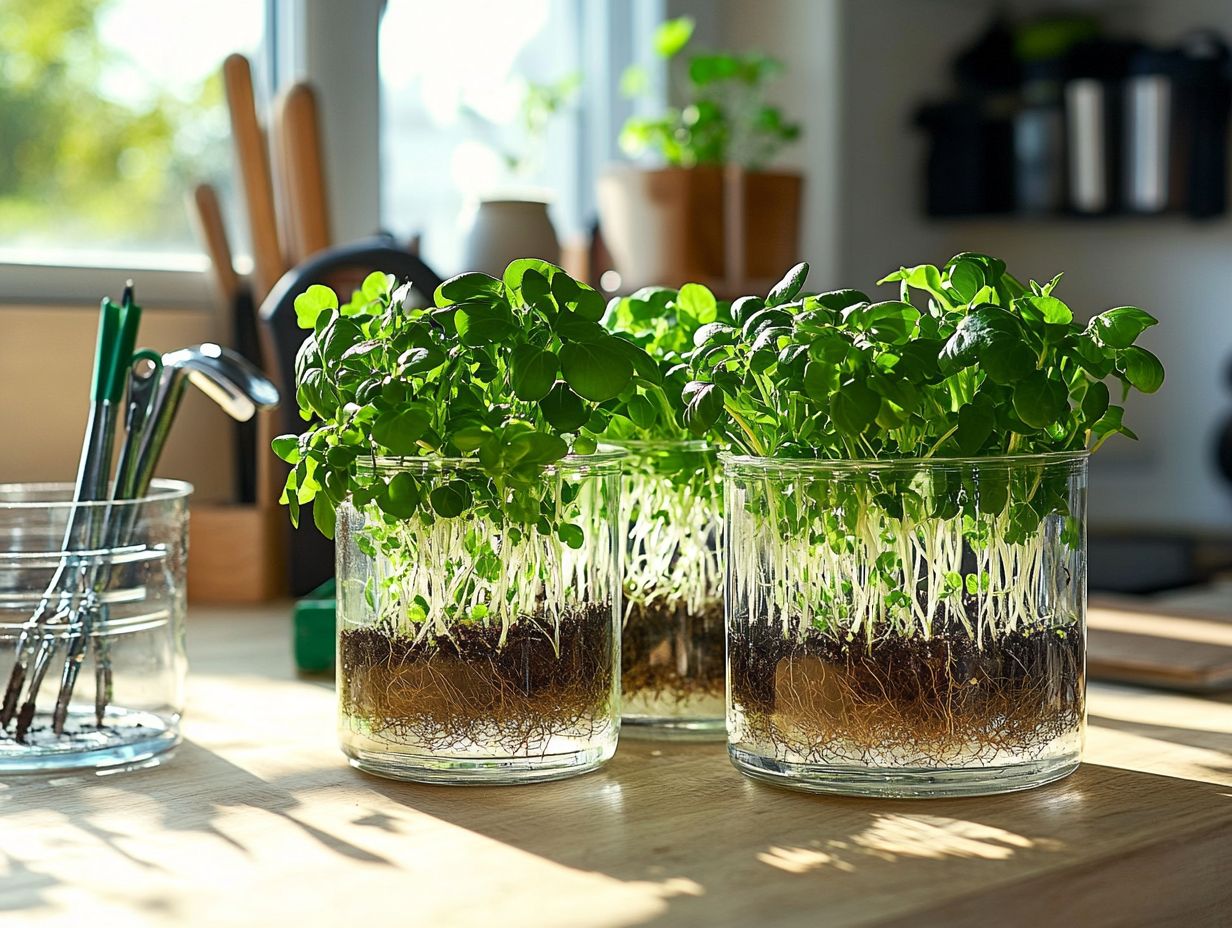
46, 356
893, 54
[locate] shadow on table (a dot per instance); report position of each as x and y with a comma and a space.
195, 809
717, 848
745, 846
1175, 734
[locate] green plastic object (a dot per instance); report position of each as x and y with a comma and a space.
315, 631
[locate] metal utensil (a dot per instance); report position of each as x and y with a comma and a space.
223, 375
117, 329
143, 375
154, 397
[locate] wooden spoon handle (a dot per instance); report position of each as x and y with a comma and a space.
208, 218
303, 183
253, 158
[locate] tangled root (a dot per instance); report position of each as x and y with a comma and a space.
906, 700
469, 688
671, 655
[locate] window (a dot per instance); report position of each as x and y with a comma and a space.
453, 79
110, 110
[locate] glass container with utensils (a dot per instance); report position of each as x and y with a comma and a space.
92, 660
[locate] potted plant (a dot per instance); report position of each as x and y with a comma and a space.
906, 557
672, 665
514, 221
452, 450
682, 220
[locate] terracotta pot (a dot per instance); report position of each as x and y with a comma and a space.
665, 226
507, 229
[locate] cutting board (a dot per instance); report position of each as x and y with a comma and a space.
1179, 641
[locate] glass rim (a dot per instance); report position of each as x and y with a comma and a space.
655, 444
605, 460
161, 490
824, 465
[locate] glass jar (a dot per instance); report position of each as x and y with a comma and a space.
473, 649
672, 671
907, 628
96, 590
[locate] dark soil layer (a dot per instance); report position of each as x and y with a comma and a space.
469, 687
926, 703
670, 654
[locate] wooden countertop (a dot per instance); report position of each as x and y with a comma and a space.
258, 821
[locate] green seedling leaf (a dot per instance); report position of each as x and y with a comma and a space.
976, 422
714, 333
533, 372
287, 448
451, 499
399, 430
641, 411
323, 515
892, 322
643, 364
1120, 327
744, 307
421, 360
1007, 361
573, 328
564, 409
966, 279
789, 287
854, 407
480, 324
312, 302
1141, 368
401, 497
992, 490
1111, 423
982, 328
571, 535
698, 302
835, 301
1039, 401
703, 404
596, 371
469, 438
512, 278
577, 298
467, 288
1094, 403
376, 286
1046, 309
536, 448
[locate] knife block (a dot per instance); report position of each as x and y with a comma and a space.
237, 553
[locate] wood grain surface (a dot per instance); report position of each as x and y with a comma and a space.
1177, 641
257, 821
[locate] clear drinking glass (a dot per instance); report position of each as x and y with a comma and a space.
475, 650
120, 606
672, 670
907, 628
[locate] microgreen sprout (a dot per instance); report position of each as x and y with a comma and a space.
450, 427
672, 497
984, 368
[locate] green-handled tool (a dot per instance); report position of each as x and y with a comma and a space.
114, 525
116, 336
